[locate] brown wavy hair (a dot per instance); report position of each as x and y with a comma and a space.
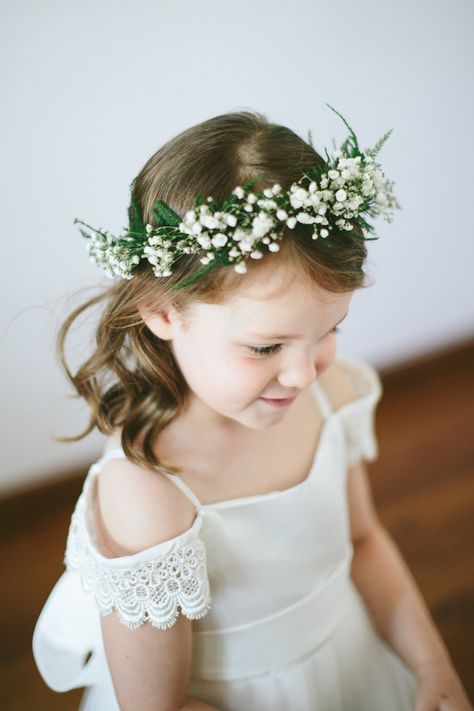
132, 380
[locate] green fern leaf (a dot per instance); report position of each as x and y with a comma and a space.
351, 131
373, 151
164, 215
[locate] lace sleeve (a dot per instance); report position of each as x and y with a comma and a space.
358, 417
146, 586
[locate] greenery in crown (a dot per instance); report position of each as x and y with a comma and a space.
335, 195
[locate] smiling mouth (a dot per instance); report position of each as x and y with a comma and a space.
290, 397
278, 401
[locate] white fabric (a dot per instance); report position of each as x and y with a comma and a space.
285, 628
147, 586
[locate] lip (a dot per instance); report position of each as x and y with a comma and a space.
279, 402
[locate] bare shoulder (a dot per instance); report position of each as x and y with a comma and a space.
338, 385
138, 507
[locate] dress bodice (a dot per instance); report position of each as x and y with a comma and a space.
245, 563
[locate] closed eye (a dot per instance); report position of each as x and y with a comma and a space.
265, 350
269, 350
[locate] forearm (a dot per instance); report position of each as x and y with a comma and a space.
395, 601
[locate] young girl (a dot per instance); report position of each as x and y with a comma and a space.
225, 552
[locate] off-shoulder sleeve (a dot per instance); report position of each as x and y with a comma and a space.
358, 416
147, 586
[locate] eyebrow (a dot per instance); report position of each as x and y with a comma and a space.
277, 337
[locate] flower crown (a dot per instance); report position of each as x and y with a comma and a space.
333, 195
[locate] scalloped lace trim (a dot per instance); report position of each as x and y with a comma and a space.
149, 591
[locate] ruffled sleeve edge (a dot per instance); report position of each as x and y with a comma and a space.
151, 585
358, 416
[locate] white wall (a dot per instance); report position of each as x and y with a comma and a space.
91, 89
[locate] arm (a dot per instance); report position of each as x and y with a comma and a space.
134, 656
394, 600
150, 667
386, 584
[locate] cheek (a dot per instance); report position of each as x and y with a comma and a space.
253, 374
326, 356
220, 370
241, 374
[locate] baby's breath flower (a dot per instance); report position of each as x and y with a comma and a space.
261, 224
204, 241
209, 221
219, 240
330, 196
230, 220
304, 218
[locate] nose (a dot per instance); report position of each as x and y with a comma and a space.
298, 371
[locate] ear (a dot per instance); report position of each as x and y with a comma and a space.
162, 323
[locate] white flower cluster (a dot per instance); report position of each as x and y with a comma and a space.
161, 252
113, 256
350, 186
239, 231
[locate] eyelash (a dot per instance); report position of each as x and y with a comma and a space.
269, 350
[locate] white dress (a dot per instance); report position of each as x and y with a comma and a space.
278, 624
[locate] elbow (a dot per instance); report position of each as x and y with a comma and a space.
373, 532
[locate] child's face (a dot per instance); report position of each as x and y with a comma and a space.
214, 349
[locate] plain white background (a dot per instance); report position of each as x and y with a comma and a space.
91, 89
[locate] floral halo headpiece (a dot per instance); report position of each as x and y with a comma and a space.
330, 196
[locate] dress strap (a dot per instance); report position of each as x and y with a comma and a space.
118, 453
322, 399
185, 489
